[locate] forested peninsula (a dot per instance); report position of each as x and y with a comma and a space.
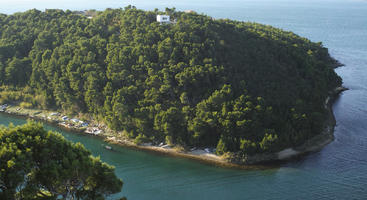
240, 87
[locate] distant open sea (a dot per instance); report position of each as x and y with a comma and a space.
339, 171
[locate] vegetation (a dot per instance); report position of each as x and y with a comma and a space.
238, 86
36, 164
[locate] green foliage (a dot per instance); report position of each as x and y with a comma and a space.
221, 147
197, 82
141, 139
25, 105
36, 164
268, 142
248, 147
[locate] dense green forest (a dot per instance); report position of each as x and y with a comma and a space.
238, 86
36, 164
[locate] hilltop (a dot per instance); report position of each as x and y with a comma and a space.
240, 87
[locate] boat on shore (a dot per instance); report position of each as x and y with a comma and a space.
3, 107
93, 131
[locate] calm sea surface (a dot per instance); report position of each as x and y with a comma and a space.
339, 171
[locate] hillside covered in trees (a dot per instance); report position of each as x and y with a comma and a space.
40, 165
236, 86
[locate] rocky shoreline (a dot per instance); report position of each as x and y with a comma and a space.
312, 145
202, 155
118, 138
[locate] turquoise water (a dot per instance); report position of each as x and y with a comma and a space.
339, 171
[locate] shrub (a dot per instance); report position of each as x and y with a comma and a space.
26, 105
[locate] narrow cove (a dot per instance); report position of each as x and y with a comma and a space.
142, 170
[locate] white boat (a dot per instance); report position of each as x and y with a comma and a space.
3, 107
167, 146
93, 131
75, 120
54, 114
108, 147
97, 132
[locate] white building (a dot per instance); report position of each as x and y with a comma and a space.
189, 11
163, 19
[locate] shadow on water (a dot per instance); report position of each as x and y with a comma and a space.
120, 149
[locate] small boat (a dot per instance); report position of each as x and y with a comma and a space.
93, 131
97, 132
167, 146
75, 120
108, 147
3, 107
54, 114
